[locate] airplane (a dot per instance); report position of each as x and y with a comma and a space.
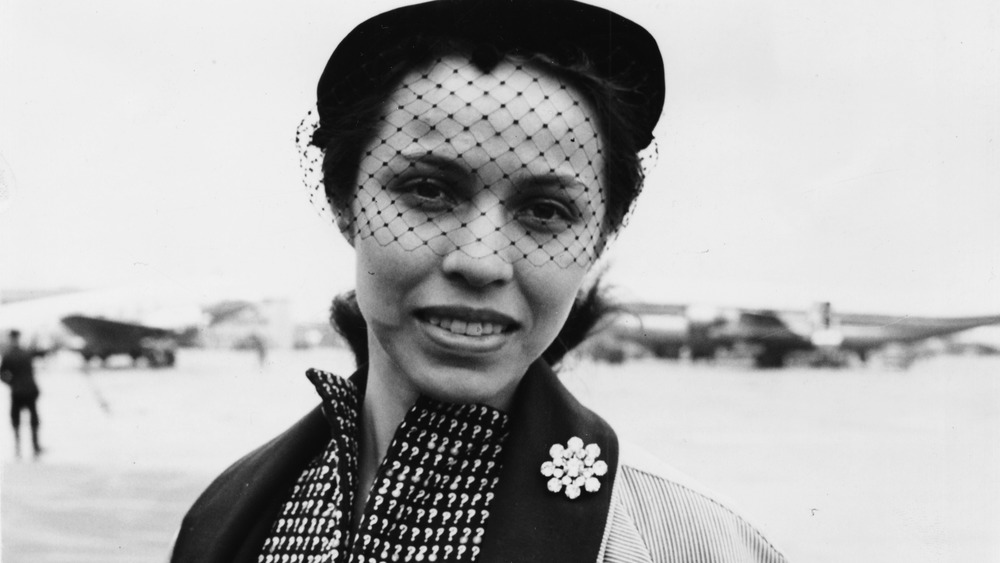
147, 322
772, 337
104, 338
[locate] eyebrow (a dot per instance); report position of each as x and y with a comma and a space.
450, 165
441, 162
554, 180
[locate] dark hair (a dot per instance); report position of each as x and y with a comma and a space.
347, 130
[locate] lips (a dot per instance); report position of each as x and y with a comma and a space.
467, 328
467, 321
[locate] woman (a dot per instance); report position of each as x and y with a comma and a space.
478, 156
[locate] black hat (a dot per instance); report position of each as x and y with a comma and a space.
565, 31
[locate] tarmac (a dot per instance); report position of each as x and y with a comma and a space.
860, 464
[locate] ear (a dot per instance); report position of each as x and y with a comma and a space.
345, 223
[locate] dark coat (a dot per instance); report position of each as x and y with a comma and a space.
233, 517
18, 371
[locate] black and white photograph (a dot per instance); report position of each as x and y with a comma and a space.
533, 281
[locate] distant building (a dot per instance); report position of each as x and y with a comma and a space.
269, 320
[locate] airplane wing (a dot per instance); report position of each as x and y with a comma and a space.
863, 333
104, 338
666, 329
639, 308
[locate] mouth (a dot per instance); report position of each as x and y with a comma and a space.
468, 322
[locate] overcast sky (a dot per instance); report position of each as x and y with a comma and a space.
809, 150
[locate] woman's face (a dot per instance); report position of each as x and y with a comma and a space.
478, 213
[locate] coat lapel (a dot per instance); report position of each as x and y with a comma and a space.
233, 517
528, 522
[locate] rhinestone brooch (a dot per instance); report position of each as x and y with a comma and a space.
574, 468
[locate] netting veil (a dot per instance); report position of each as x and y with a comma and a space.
507, 162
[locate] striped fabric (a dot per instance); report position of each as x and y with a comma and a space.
658, 517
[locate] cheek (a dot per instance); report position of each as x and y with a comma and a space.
550, 292
385, 274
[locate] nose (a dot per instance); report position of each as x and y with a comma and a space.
477, 272
478, 256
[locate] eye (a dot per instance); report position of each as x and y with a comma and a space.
547, 214
427, 193
427, 189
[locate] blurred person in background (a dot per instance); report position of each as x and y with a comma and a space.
479, 156
17, 370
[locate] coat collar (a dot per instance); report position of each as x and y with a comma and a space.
529, 523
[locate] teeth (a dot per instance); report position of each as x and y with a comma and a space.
466, 328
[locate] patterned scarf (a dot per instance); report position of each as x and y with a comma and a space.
431, 495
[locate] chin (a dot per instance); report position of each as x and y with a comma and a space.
453, 385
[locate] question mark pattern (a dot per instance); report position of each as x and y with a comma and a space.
313, 524
441, 469
431, 495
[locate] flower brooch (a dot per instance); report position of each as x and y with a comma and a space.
575, 467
